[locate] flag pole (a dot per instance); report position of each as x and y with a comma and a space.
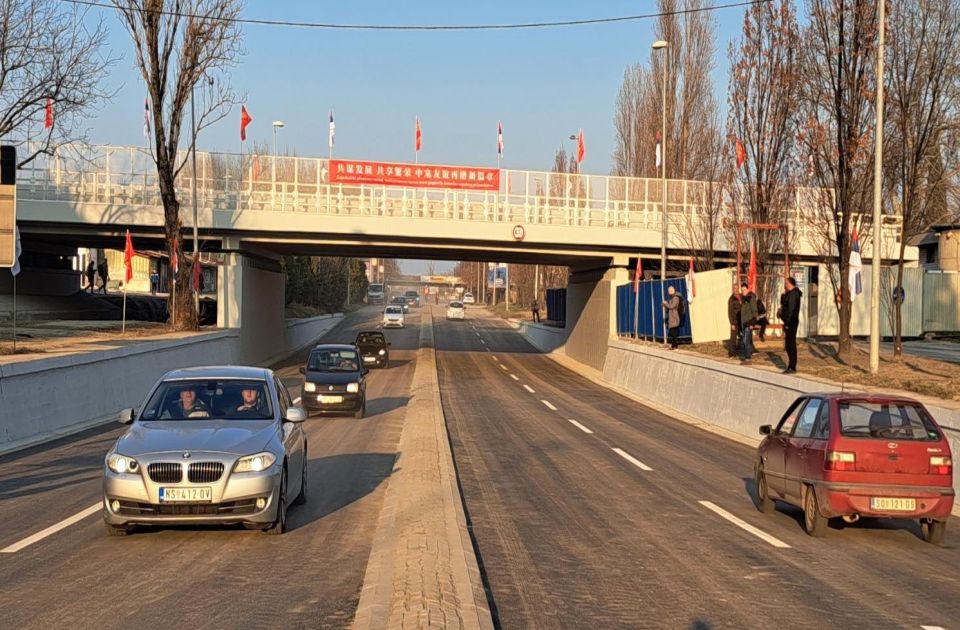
123, 327
636, 301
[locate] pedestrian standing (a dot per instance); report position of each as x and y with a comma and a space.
104, 275
672, 304
790, 314
762, 320
91, 275
535, 307
733, 315
748, 319
154, 281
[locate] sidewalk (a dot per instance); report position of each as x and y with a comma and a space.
422, 571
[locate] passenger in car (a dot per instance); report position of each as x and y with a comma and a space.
251, 405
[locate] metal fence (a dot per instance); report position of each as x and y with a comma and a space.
557, 306
649, 323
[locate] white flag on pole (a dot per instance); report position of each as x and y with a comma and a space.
333, 128
15, 269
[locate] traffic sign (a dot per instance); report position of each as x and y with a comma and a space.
519, 233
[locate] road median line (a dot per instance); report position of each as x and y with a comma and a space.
747, 527
53, 529
580, 426
633, 460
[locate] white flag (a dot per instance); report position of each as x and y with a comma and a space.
333, 128
16, 255
658, 149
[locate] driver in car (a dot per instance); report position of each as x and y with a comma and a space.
251, 403
188, 405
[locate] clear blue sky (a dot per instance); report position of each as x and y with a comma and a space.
543, 84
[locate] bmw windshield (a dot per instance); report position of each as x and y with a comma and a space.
209, 399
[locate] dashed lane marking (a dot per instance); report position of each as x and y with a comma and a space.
529, 389
483, 342
549, 405
515, 377
932, 628
53, 529
633, 460
296, 400
503, 366
579, 426
762, 535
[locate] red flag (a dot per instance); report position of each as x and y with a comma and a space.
256, 167
48, 122
128, 255
245, 119
175, 262
581, 147
637, 274
752, 271
741, 154
691, 283
196, 272
418, 137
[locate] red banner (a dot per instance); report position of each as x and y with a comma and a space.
414, 175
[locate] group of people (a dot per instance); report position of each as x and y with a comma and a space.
92, 271
746, 313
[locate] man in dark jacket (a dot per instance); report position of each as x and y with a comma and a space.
748, 319
790, 314
733, 315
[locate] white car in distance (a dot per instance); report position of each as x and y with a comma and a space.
393, 317
468, 298
456, 310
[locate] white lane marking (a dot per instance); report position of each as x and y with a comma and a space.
53, 529
503, 366
487, 349
483, 342
529, 389
579, 426
296, 400
515, 377
633, 460
549, 405
494, 358
478, 334
932, 628
762, 535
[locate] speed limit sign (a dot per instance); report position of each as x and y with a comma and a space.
518, 233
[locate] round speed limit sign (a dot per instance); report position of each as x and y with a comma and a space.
518, 233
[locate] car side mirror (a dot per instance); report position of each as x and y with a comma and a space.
126, 416
303, 370
766, 430
295, 414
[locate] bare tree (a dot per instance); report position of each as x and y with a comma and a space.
700, 230
923, 108
838, 83
176, 48
49, 51
762, 117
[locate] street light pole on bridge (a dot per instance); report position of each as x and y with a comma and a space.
663, 45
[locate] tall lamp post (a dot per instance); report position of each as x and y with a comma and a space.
277, 124
877, 191
663, 45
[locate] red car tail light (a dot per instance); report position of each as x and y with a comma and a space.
941, 465
840, 461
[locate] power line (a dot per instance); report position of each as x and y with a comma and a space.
444, 27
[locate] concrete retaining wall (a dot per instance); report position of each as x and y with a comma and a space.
735, 398
543, 338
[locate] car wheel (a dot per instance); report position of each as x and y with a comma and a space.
764, 503
814, 523
117, 530
302, 497
933, 531
280, 525
361, 412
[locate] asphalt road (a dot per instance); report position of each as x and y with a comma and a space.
571, 533
211, 577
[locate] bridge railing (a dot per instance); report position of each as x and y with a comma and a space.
126, 175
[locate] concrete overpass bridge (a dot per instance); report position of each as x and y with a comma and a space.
253, 209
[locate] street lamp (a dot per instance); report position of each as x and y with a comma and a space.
573, 153
277, 124
663, 45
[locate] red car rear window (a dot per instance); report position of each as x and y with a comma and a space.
886, 421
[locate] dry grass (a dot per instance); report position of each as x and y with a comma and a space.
919, 375
74, 336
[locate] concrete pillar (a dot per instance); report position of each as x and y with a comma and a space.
591, 311
230, 286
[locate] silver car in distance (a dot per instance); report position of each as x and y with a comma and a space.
212, 445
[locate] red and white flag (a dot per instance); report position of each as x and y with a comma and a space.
245, 119
175, 261
741, 152
499, 140
659, 154
418, 137
581, 147
128, 255
691, 283
637, 274
48, 120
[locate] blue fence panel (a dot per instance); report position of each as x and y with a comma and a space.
650, 320
557, 305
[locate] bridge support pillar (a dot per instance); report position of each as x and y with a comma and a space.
592, 311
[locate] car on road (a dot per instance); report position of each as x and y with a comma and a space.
401, 302
374, 348
376, 293
845, 455
393, 317
212, 445
413, 298
334, 380
468, 298
456, 310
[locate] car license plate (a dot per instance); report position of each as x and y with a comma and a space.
169, 495
369, 359
890, 504
328, 400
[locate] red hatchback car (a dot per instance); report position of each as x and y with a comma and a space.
849, 455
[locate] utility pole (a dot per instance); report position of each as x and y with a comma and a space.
196, 242
877, 202
665, 216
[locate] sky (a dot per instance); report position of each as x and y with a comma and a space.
542, 84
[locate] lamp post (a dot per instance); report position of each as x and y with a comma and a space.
663, 45
277, 124
877, 219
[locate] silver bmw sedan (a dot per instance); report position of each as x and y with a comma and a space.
211, 445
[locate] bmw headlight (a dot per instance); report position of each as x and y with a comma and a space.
122, 464
383, 353
309, 387
353, 388
254, 463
